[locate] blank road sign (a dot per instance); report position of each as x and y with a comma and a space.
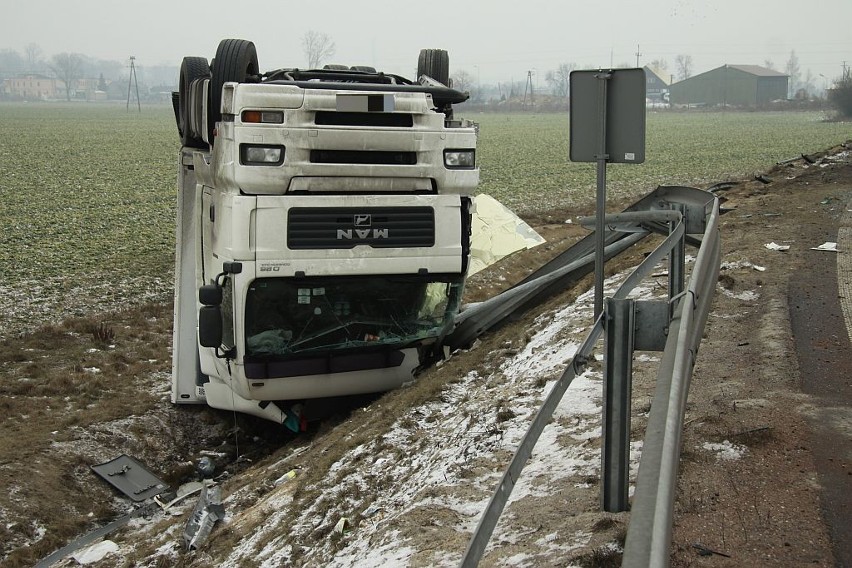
625, 116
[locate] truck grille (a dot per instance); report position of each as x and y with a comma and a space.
363, 157
387, 119
347, 227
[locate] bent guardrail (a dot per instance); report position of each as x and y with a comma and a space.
688, 212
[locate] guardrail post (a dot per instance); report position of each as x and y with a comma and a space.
677, 260
618, 374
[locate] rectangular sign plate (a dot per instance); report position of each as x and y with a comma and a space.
364, 102
625, 116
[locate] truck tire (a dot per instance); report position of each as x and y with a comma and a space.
236, 60
191, 68
434, 63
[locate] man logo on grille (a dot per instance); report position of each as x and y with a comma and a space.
363, 230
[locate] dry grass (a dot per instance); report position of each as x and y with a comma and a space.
61, 389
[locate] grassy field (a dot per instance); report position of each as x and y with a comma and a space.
524, 158
87, 191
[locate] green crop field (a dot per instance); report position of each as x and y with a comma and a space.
87, 191
524, 158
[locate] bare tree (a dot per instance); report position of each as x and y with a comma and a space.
683, 63
792, 69
11, 62
660, 64
558, 80
317, 47
769, 64
68, 68
32, 53
462, 80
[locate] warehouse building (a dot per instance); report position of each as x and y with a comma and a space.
731, 85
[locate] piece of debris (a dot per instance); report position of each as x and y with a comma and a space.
183, 492
95, 552
704, 551
762, 178
208, 510
827, 246
284, 478
340, 526
205, 468
775, 246
130, 477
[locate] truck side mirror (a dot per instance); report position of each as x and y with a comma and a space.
210, 295
210, 325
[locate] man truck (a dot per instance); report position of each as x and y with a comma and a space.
323, 228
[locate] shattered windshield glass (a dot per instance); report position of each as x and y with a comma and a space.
287, 316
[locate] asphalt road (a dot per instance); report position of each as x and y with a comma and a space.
820, 302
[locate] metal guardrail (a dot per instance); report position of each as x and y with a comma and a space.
649, 536
650, 529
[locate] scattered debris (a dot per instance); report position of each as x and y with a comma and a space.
827, 246
95, 535
762, 178
775, 246
208, 510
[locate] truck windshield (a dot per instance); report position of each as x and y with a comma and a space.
287, 317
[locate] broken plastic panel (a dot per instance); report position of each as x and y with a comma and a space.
497, 232
131, 478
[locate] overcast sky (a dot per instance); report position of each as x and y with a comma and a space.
494, 40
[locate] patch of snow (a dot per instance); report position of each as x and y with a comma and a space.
725, 450
745, 296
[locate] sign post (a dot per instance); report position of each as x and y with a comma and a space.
607, 125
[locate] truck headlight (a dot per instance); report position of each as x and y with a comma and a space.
256, 155
460, 159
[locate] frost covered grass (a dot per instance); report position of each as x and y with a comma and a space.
87, 198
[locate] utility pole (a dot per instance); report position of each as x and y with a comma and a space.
637, 55
130, 82
529, 87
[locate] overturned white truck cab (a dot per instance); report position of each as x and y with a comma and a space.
324, 221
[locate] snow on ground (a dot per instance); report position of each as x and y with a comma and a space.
436, 468
29, 304
444, 442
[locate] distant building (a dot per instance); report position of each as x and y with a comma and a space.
656, 86
35, 87
32, 87
731, 85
